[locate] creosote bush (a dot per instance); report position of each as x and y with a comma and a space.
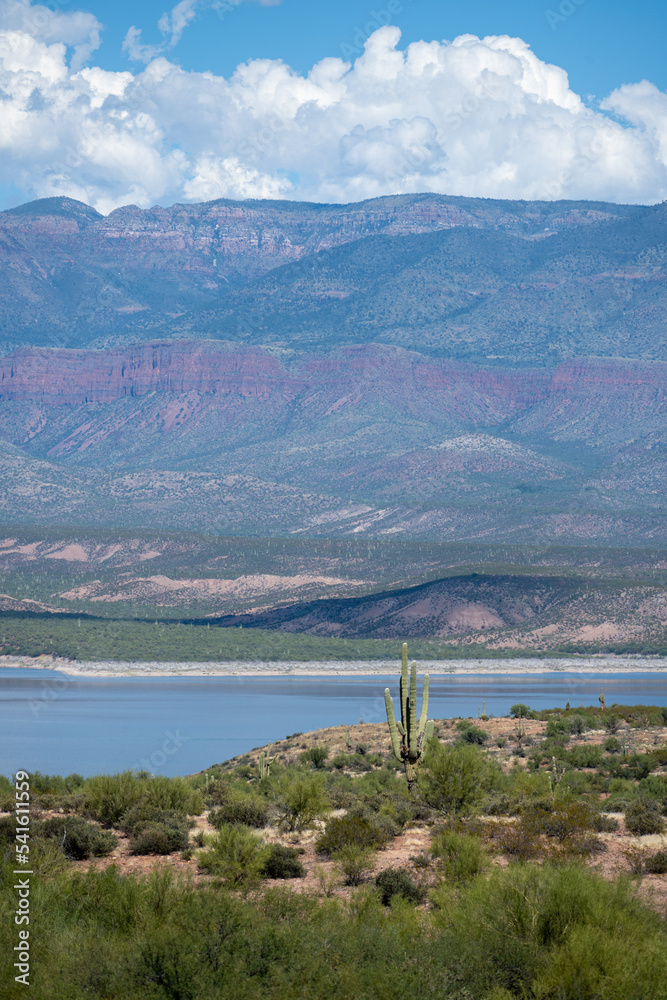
455, 779
77, 838
282, 862
246, 810
316, 756
469, 733
236, 856
158, 838
351, 831
643, 817
394, 882
558, 830
656, 864
108, 797
300, 799
460, 856
143, 814
355, 863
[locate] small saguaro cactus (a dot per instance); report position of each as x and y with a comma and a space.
601, 699
409, 736
264, 762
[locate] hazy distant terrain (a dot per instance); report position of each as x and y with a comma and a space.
240, 381
331, 592
372, 440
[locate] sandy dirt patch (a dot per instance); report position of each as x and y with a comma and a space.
155, 587
71, 553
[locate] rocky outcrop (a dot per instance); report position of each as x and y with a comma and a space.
426, 387
71, 378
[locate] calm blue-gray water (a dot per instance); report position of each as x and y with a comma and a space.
57, 724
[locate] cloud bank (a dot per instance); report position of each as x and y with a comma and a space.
477, 117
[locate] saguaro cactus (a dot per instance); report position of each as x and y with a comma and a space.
601, 699
409, 736
264, 762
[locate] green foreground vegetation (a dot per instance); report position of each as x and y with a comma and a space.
447, 922
85, 638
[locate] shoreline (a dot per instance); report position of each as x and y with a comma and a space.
599, 663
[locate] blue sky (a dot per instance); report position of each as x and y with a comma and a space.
600, 43
118, 103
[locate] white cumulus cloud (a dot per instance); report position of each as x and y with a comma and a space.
475, 116
77, 29
173, 23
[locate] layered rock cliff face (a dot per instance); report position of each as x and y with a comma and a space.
369, 439
432, 390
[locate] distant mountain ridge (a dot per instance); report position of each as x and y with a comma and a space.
456, 277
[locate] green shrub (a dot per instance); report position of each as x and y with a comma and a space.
556, 932
604, 824
519, 711
7, 831
656, 864
237, 856
460, 856
246, 810
655, 787
577, 724
217, 791
158, 838
643, 817
568, 827
173, 793
110, 796
455, 779
144, 814
557, 727
521, 787
300, 799
54, 784
351, 831
612, 745
316, 756
354, 863
398, 882
468, 733
77, 838
585, 756
351, 762
282, 862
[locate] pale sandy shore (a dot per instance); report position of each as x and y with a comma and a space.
602, 664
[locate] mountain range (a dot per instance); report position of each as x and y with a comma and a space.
454, 277
419, 366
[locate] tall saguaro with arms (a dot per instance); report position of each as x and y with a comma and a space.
409, 735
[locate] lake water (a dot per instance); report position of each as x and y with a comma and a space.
178, 725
